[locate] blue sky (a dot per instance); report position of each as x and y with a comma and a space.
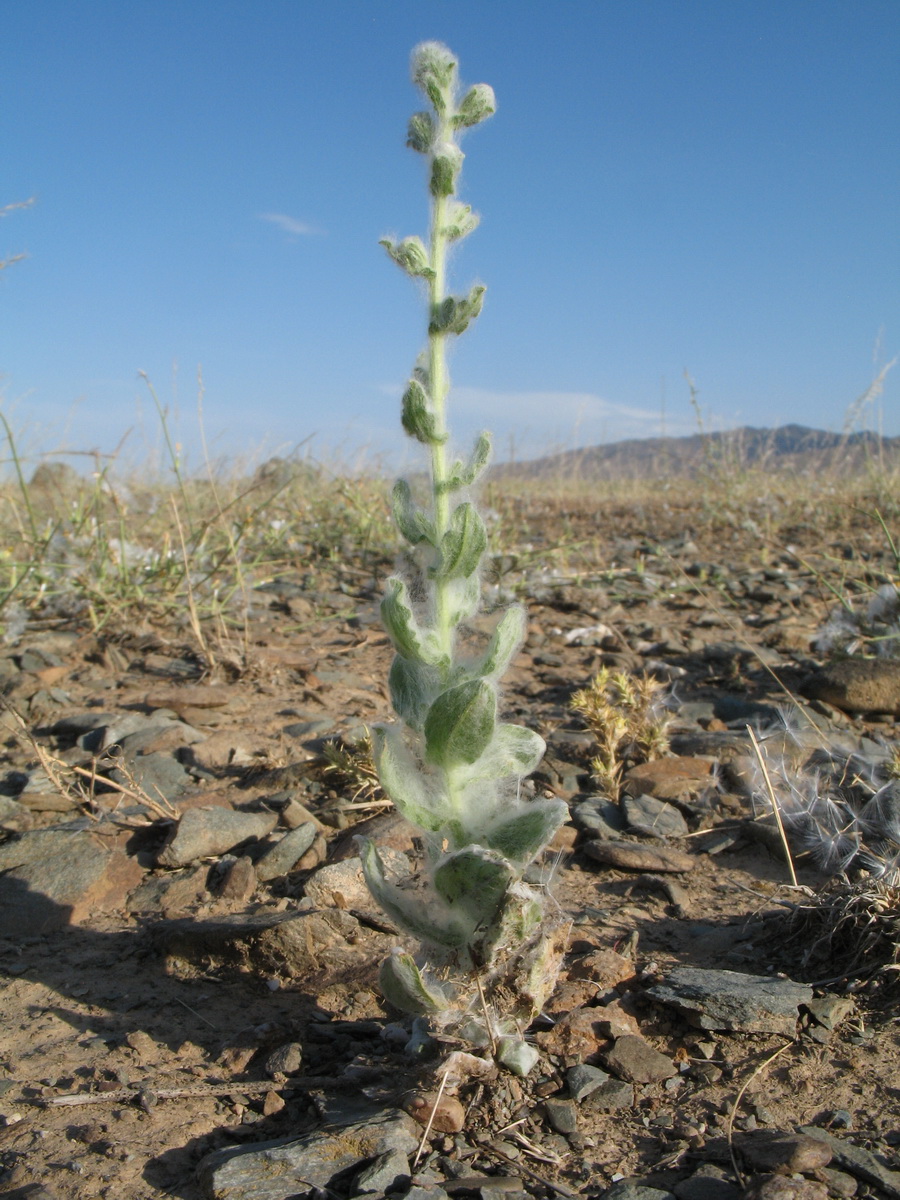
711, 185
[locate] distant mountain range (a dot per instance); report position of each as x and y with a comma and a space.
789, 447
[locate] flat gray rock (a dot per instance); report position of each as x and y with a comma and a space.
583, 1079
159, 775
277, 860
653, 818
599, 816
282, 1170
731, 1000
202, 832
625, 1189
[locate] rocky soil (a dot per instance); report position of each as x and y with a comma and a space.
188, 955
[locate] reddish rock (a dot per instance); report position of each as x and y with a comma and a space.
77, 878
669, 778
633, 1059
449, 1115
606, 968
784, 1187
771, 1150
577, 1036
631, 856
240, 881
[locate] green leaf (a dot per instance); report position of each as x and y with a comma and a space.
473, 881
454, 313
463, 598
446, 164
463, 544
434, 71
421, 132
429, 921
403, 780
411, 255
417, 417
522, 835
513, 750
410, 519
403, 985
408, 637
460, 724
476, 106
516, 921
413, 686
460, 221
505, 641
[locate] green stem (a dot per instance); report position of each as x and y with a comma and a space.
440, 385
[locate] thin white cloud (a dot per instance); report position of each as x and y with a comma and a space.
290, 225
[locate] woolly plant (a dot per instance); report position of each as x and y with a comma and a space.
488, 952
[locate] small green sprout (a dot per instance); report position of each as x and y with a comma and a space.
489, 950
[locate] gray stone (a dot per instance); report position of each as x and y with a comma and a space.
653, 818
159, 775
202, 832
283, 1169
389, 1172
626, 1189
858, 1161
599, 816
342, 884
285, 1060
584, 1079
708, 1183
633, 1059
562, 1115
60, 880
615, 1093
632, 856
13, 816
730, 1000
280, 858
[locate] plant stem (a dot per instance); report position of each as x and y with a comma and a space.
439, 386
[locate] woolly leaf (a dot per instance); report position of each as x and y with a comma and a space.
460, 221
420, 132
411, 255
408, 637
410, 519
463, 544
431, 922
460, 724
505, 641
446, 165
403, 985
513, 750
454, 313
515, 923
463, 598
473, 881
523, 835
434, 71
413, 686
402, 779
417, 417
477, 105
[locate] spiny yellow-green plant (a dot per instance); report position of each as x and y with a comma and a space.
449, 765
626, 715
